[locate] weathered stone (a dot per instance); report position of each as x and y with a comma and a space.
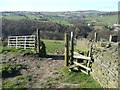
105, 67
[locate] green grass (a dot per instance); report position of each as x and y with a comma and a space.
58, 45
12, 70
84, 81
32, 17
54, 45
19, 82
14, 17
17, 17
9, 70
71, 78
5, 49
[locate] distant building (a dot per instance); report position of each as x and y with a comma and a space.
116, 30
113, 38
116, 25
88, 24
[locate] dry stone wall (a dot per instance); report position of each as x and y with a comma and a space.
106, 67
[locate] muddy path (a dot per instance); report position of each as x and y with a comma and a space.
39, 68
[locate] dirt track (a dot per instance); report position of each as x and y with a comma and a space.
39, 68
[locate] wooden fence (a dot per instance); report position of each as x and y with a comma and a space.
21, 41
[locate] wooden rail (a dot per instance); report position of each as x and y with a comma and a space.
87, 68
79, 56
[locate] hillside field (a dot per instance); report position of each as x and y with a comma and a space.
102, 20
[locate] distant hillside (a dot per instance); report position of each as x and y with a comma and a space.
59, 17
53, 25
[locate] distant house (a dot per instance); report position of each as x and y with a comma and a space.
88, 24
116, 25
116, 30
114, 36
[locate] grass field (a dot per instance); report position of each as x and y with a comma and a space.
52, 46
17, 17
33, 17
60, 21
14, 17
104, 20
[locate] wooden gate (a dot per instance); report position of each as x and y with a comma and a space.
21, 41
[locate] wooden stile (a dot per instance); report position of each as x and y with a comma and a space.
73, 55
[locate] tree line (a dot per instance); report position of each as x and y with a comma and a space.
49, 30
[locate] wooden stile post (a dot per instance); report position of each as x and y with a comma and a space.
96, 37
38, 41
110, 38
72, 47
66, 49
90, 50
89, 55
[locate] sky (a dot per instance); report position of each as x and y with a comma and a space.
58, 5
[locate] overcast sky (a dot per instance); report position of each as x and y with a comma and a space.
58, 5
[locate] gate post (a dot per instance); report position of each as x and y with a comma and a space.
72, 47
110, 38
38, 41
96, 37
66, 49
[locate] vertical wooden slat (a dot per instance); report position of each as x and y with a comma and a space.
72, 46
16, 42
66, 49
25, 43
96, 36
89, 55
